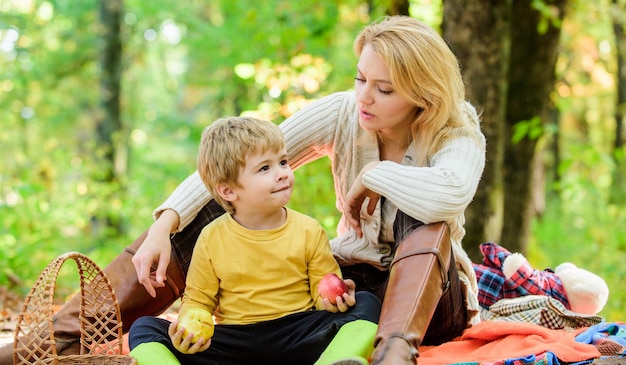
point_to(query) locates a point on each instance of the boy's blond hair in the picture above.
(224, 147)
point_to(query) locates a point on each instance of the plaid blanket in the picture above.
(538, 309)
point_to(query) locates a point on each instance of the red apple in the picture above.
(331, 287)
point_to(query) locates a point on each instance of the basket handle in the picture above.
(100, 318)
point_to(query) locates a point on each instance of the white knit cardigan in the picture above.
(440, 192)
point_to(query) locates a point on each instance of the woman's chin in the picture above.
(367, 125)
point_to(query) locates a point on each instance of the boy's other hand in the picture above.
(344, 302)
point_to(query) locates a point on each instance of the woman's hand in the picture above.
(156, 248)
(185, 345)
(344, 302)
(355, 198)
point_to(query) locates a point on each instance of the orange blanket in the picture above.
(492, 341)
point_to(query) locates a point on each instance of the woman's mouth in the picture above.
(363, 114)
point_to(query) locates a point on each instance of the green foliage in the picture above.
(314, 194)
(531, 129)
(589, 236)
(549, 16)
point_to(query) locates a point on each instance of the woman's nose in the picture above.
(364, 95)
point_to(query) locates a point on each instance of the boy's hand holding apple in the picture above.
(337, 294)
(193, 331)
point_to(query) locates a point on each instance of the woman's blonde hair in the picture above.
(423, 70)
(224, 147)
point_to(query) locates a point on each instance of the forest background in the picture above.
(102, 104)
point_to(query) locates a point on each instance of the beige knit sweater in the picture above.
(440, 192)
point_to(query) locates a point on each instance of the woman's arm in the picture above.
(439, 192)
(186, 200)
(310, 133)
(172, 216)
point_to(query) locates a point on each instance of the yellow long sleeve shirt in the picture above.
(245, 276)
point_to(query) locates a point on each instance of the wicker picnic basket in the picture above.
(101, 333)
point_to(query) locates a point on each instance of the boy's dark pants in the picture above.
(299, 338)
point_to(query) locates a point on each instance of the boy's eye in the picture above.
(284, 163)
(264, 168)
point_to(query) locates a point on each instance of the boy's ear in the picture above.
(226, 193)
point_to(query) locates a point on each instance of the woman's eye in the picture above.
(382, 91)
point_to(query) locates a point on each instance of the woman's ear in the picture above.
(226, 192)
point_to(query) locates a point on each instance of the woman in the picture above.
(406, 150)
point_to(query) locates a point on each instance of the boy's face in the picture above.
(266, 182)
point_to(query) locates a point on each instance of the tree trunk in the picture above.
(398, 7)
(618, 188)
(111, 148)
(478, 33)
(534, 38)
(109, 124)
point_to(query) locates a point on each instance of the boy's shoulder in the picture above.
(217, 222)
(303, 218)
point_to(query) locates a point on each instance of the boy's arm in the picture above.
(200, 298)
(322, 262)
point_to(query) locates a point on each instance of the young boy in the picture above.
(256, 270)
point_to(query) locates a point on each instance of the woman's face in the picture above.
(381, 108)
